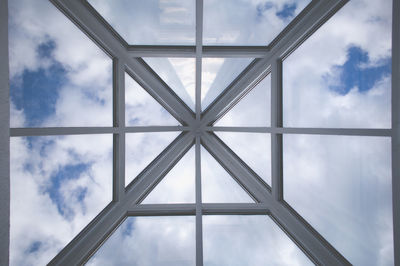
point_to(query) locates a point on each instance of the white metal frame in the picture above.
(197, 130)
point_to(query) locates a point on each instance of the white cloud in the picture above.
(34, 215)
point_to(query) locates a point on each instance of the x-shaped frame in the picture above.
(197, 128)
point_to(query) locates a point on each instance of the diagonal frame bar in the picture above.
(308, 21)
(309, 240)
(91, 23)
(94, 234)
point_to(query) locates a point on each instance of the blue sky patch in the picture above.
(287, 11)
(353, 74)
(66, 173)
(34, 247)
(36, 92)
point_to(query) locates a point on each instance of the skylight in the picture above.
(201, 132)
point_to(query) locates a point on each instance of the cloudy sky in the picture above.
(340, 77)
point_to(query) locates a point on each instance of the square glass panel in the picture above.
(148, 241)
(341, 185)
(154, 22)
(248, 240)
(247, 22)
(58, 185)
(52, 83)
(341, 75)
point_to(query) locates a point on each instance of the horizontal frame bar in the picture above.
(49, 131)
(190, 209)
(190, 51)
(314, 131)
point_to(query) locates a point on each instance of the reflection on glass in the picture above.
(340, 76)
(217, 185)
(151, 21)
(142, 149)
(141, 109)
(178, 73)
(178, 186)
(253, 148)
(247, 22)
(148, 241)
(52, 83)
(252, 110)
(341, 185)
(248, 240)
(217, 74)
(58, 185)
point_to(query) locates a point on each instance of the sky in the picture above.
(339, 77)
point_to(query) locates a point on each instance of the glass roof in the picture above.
(247, 22)
(192, 146)
(150, 21)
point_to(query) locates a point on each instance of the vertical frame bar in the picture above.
(199, 55)
(199, 212)
(4, 137)
(396, 129)
(276, 122)
(119, 122)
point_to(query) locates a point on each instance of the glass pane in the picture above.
(148, 241)
(253, 148)
(179, 74)
(217, 74)
(178, 186)
(253, 110)
(248, 240)
(247, 22)
(58, 185)
(141, 109)
(52, 83)
(142, 148)
(340, 77)
(217, 185)
(151, 21)
(341, 185)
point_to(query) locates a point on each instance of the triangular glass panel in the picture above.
(246, 22)
(178, 186)
(217, 185)
(141, 109)
(179, 74)
(217, 74)
(142, 148)
(253, 110)
(248, 240)
(151, 240)
(253, 148)
(150, 22)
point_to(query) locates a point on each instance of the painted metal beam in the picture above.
(378, 132)
(88, 20)
(190, 51)
(4, 137)
(93, 235)
(310, 241)
(396, 129)
(49, 131)
(306, 23)
(276, 122)
(190, 209)
(119, 122)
